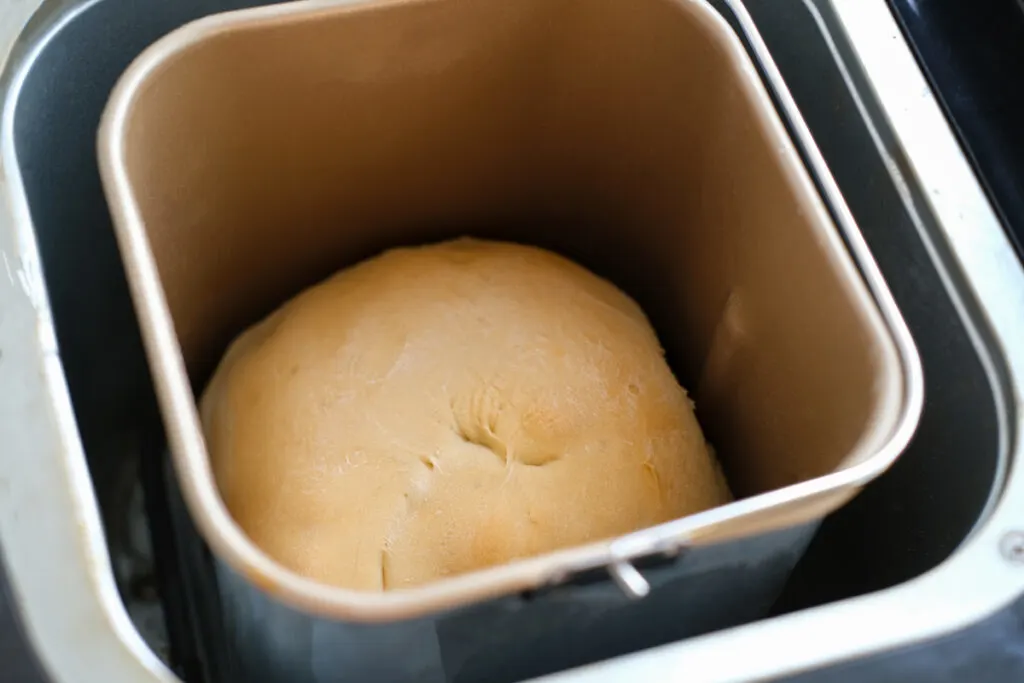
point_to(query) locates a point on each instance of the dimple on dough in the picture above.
(441, 409)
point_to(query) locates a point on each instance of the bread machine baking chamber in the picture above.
(250, 154)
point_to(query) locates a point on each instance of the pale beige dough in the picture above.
(446, 408)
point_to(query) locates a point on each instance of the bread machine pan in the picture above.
(250, 154)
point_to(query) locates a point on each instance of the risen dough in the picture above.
(441, 409)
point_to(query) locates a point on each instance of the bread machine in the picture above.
(819, 48)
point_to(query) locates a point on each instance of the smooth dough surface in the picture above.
(440, 409)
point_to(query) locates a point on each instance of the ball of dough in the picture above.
(440, 409)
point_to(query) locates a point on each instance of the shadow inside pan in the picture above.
(905, 523)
